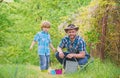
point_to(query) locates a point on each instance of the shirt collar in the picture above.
(44, 32)
(74, 39)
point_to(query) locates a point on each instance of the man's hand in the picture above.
(70, 55)
(61, 55)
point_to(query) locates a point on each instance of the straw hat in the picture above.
(70, 27)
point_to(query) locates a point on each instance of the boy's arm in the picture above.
(32, 44)
(51, 46)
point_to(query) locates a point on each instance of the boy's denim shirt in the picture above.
(43, 39)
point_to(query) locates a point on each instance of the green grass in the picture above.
(97, 69)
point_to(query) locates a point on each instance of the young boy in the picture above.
(44, 41)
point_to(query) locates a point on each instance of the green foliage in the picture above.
(5, 22)
(20, 21)
(90, 20)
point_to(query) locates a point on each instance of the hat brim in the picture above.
(76, 28)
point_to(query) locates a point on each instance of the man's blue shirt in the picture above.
(43, 39)
(73, 47)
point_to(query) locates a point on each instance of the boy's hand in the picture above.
(31, 47)
(32, 44)
(54, 49)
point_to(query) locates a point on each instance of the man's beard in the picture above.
(72, 37)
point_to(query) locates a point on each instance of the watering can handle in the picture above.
(65, 59)
(71, 58)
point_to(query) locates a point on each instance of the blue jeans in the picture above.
(44, 62)
(81, 61)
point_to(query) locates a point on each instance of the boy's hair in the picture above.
(45, 24)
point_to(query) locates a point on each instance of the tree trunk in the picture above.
(104, 27)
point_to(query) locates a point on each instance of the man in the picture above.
(75, 45)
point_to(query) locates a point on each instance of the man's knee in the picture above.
(83, 61)
(57, 54)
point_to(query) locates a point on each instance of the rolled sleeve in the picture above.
(62, 44)
(36, 37)
(82, 46)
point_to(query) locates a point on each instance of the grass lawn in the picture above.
(97, 69)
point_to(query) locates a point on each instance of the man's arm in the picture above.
(61, 54)
(82, 49)
(80, 55)
(59, 50)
